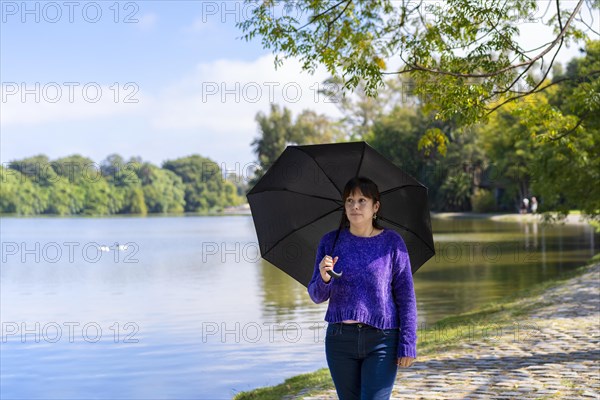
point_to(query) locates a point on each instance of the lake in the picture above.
(184, 308)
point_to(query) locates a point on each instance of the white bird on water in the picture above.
(121, 247)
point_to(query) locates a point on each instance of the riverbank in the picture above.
(573, 217)
(540, 343)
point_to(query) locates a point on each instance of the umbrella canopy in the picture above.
(299, 199)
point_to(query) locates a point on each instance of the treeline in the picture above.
(546, 145)
(76, 185)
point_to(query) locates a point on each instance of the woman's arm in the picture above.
(406, 302)
(319, 290)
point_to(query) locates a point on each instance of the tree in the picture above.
(60, 197)
(313, 128)
(549, 145)
(65, 198)
(359, 109)
(203, 182)
(274, 131)
(164, 191)
(19, 195)
(75, 169)
(38, 169)
(396, 136)
(277, 130)
(124, 177)
(511, 153)
(567, 128)
(119, 172)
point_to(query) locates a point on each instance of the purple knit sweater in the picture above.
(376, 287)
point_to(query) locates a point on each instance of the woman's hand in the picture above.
(405, 362)
(325, 265)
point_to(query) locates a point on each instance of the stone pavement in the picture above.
(551, 352)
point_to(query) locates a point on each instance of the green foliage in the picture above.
(76, 169)
(205, 188)
(163, 190)
(459, 53)
(38, 169)
(134, 201)
(359, 110)
(396, 136)
(433, 138)
(508, 145)
(569, 129)
(313, 128)
(76, 185)
(65, 198)
(277, 130)
(456, 192)
(549, 146)
(18, 195)
(483, 201)
(119, 172)
(100, 198)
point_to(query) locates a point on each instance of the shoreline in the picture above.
(244, 210)
(572, 218)
(548, 350)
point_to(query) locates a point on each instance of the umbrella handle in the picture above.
(334, 274)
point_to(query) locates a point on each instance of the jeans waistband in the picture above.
(356, 325)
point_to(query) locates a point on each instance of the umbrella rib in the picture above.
(320, 167)
(302, 227)
(401, 187)
(275, 189)
(362, 156)
(408, 230)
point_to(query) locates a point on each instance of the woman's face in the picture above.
(360, 209)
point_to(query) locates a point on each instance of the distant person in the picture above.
(525, 206)
(534, 205)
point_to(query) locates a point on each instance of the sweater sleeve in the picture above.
(318, 290)
(406, 303)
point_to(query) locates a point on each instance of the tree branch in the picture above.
(514, 98)
(577, 125)
(313, 19)
(556, 41)
(330, 23)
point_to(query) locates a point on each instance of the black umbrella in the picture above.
(298, 200)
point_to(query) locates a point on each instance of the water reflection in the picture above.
(282, 295)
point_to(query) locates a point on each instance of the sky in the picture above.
(152, 79)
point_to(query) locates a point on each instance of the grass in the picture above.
(498, 312)
(305, 384)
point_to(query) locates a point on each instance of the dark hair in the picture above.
(368, 188)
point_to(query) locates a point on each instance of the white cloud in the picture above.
(224, 96)
(147, 21)
(221, 96)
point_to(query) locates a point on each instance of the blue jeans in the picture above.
(362, 360)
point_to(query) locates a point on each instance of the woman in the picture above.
(372, 312)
